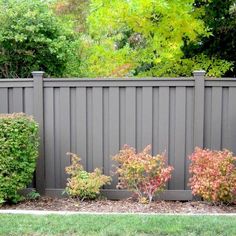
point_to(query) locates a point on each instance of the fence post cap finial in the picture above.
(38, 73)
(199, 73)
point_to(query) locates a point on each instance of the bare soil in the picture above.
(122, 206)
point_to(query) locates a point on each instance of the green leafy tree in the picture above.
(143, 36)
(220, 17)
(73, 10)
(32, 38)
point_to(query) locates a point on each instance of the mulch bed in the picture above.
(122, 206)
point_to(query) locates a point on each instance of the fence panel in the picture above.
(96, 117)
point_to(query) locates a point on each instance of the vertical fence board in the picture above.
(39, 117)
(73, 124)
(216, 118)
(65, 132)
(147, 117)
(164, 120)
(208, 118)
(171, 144)
(179, 171)
(57, 137)
(199, 100)
(225, 139)
(139, 118)
(232, 118)
(18, 100)
(29, 109)
(130, 118)
(81, 125)
(122, 109)
(97, 127)
(114, 128)
(105, 124)
(155, 119)
(28, 101)
(3, 100)
(49, 138)
(89, 127)
(10, 100)
(189, 146)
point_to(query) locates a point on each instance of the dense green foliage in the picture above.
(220, 17)
(73, 10)
(83, 184)
(97, 38)
(144, 36)
(32, 38)
(149, 38)
(18, 154)
(119, 225)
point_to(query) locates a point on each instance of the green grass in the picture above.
(114, 225)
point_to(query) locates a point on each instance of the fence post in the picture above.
(199, 103)
(39, 117)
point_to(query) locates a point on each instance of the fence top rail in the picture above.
(17, 80)
(115, 79)
(121, 79)
(220, 79)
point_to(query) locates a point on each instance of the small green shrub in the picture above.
(82, 184)
(33, 195)
(142, 173)
(213, 175)
(18, 153)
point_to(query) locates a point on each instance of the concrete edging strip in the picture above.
(38, 212)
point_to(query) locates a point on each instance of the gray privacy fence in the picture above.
(96, 117)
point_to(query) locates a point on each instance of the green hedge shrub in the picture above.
(18, 153)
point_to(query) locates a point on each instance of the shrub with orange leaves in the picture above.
(82, 184)
(213, 175)
(142, 173)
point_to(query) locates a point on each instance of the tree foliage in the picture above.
(32, 38)
(96, 38)
(220, 18)
(149, 33)
(75, 10)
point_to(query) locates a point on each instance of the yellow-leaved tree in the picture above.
(138, 37)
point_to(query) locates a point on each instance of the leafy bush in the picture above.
(213, 175)
(213, 66)
(142, 173)
(33, 195)
(18, 154)
(32, 38)
(81, 183)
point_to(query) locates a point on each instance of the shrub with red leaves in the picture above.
(142, 173)
(213, 175)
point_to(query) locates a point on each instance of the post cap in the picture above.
(38, 73)
(199, 73)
